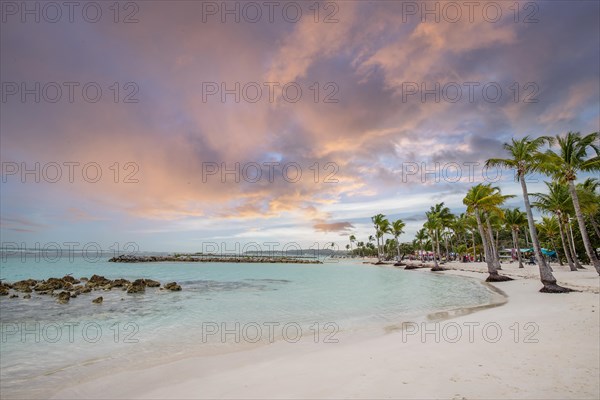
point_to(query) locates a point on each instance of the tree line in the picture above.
(569, 223)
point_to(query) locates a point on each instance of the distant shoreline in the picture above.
(214, 258)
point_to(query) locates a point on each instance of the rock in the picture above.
(136, 288)
(27, 296)
(83, 279)
(85, 289)
(14, 296)
(120, 283)
(99, 280)
(56, 283)
(64, 297)
(42, 287)
(3, 291)
(51, 284)
(24, 286)
(98, 300)
(172, 286)
(151, 283)
(70, 279)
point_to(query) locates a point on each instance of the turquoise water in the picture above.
(45, 344)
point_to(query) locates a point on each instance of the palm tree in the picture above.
(382, 226)
(549, 229)
(377, 220)
(590, 201)
(525, 158)
(397, 229)
(459, 227)
(431, 226)
(352, 240)
(494, 218)
(564, 166)
(471, 223)
(360, 246)
(444, 218)
(514, 219)
(481, 198)
(558, 202)
(420, 237)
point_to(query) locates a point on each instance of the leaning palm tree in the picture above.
(525, 158)
(571, 159)
(514, 219)
(481, 198)
(558, 202)
(397, 229)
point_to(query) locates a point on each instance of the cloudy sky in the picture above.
(173, 124)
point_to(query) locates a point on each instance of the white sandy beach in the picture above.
(553, 353)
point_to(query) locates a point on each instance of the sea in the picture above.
(222, 307)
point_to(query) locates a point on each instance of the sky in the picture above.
(178, 125)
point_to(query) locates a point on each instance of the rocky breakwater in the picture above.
(68, 287)
(212, 258)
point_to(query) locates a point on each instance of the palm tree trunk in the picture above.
(557, 253)
(584, 235)
(437, 243)
(447, 249)
(566, 249)
(493, 249)
(488, 260)
(474, 251)
(546, 276)
(498, 245)
(516, 245)
(571, 244)
(435, 263)
(595, 225)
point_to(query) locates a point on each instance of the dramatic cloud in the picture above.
(334, 227)
(220, 141)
